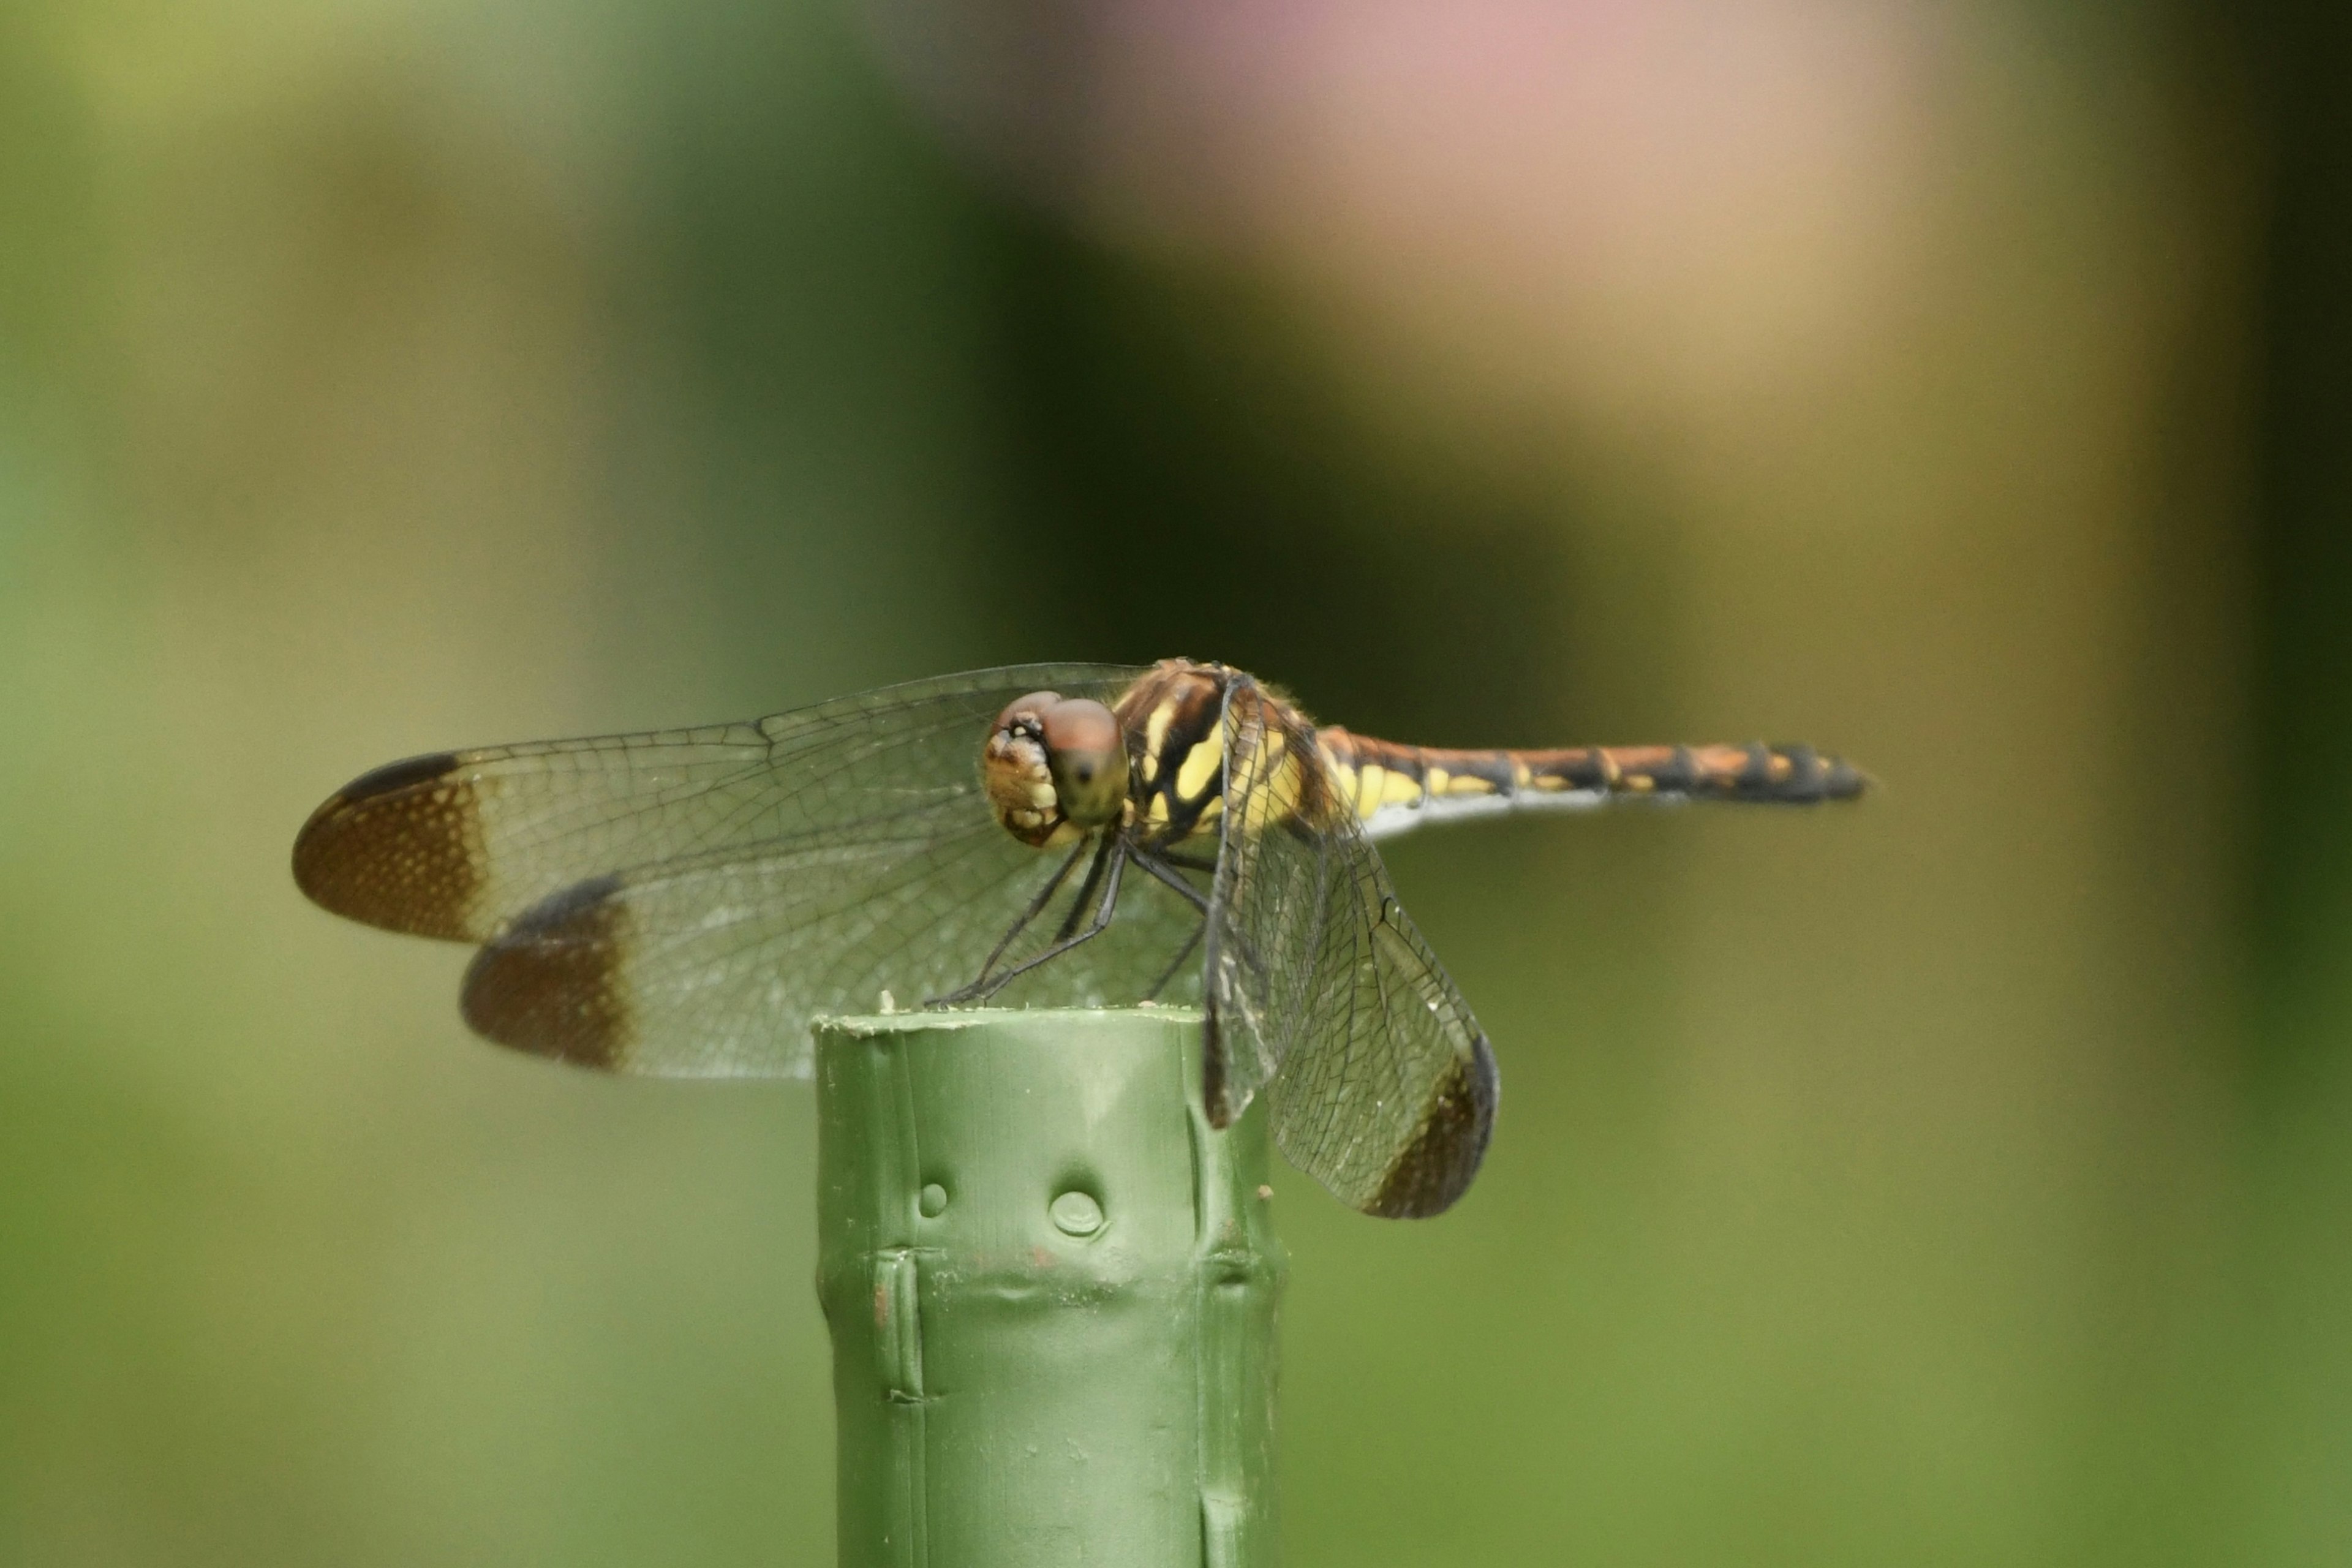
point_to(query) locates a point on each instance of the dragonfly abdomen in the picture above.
(1396, 787)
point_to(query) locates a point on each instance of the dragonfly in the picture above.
(686, 902)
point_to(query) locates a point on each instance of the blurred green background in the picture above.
(1967, 386)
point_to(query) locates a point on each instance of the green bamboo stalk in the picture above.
(1051, 1286)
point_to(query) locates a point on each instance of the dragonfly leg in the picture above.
(1107, 864)
(1085, 890)
(1183, 954)
(1037, 907)
(1159, 867)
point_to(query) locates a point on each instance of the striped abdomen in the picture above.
(1399, 788)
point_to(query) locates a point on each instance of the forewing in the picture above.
(683, 903)
(460, 844)
(1321, 992)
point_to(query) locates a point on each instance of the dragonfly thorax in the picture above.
(1055, 768)
(1172, 718)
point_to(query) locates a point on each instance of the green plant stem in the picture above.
(1052, 1291)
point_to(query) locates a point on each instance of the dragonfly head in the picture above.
(1055, 768)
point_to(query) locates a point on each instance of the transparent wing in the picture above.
(715, 967)
(684, 902)
(458, 844)
(1321, 993)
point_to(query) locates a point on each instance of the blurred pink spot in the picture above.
(1606, 200)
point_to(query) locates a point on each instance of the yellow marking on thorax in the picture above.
(1155, 735)
(1158, 811)
(1282, 788)
(1199, 765)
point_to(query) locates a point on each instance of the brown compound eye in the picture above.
(1087, 757)
(1031, 708)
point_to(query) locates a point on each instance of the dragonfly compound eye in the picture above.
(1086, 754)
(1055, 768)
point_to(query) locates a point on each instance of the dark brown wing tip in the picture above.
(551, 984)
(1437, 1168)
(397, 847)
(399, 775)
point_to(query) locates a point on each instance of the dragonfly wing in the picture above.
(715, 967)
(682, 903)
(460, 844)
(1322, 994)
